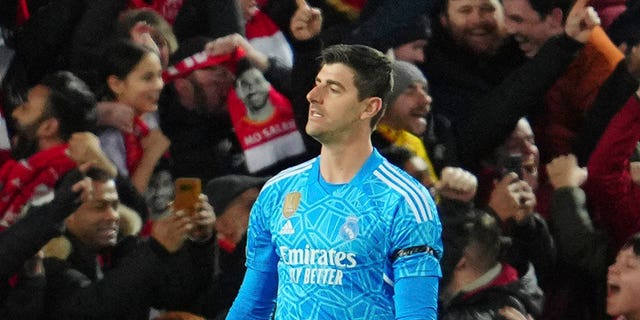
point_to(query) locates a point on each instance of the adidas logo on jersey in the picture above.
(287, 228)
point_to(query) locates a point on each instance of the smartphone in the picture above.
(187, 194)
(512, 163)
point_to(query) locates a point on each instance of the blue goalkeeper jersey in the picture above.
(339, 248)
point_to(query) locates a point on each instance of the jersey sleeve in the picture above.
(416, 245)
(261, 253)
(256, 297)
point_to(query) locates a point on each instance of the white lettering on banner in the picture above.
(253, 138)
(279, 128)
(269, 132)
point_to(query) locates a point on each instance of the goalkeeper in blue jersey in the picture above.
(345, 235)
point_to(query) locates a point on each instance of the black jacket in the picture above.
(134, 276)
(21, 241)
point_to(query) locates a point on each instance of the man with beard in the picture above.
(55, 109)
(482, 83)
(405, 119)
(468, 54)
(253, 89)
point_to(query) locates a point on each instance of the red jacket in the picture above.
(566, 103)
(573, 94)
(613, 197)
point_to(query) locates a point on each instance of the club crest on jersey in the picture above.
(350, 228)
(291, 203)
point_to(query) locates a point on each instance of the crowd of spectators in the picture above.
(521, 117)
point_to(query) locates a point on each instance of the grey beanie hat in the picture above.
(404, 75)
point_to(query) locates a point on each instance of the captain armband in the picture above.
(413, 250)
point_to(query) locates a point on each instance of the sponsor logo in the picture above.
(322, 276)
(321, 257)
(317, 266)
(287, 228)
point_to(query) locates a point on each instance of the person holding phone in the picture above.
(511, 199)
(98, 270)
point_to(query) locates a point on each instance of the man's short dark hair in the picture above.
(544, 7)
(372, 71)
(71, 102)
(475, 232)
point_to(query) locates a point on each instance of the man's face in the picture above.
(410, 109)
(211, 87)
(141, 87)
(412, 52)
(334, 106)
(623, 284)
(522, 142)
(232, 224)
(477, 25)
(95, 223)
(30, 114)
(253, 89)
(528, 27)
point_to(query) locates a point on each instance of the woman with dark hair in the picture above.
(132, 75)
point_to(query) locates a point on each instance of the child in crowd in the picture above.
(623, 282)
(132, 76)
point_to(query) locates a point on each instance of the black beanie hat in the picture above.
(222, 190)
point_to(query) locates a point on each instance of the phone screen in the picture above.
(187, 193)
(513, 163)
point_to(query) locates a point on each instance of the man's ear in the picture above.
(443, 20)
(462, 263)
(185, 90)
(49, 128)
(182, 86)
(556, 17)
(373, 105)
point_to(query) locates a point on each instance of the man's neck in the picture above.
(340, 163)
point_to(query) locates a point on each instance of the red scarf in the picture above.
(202, 60)
(133, 145)
(20, 181)
(268, 142)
